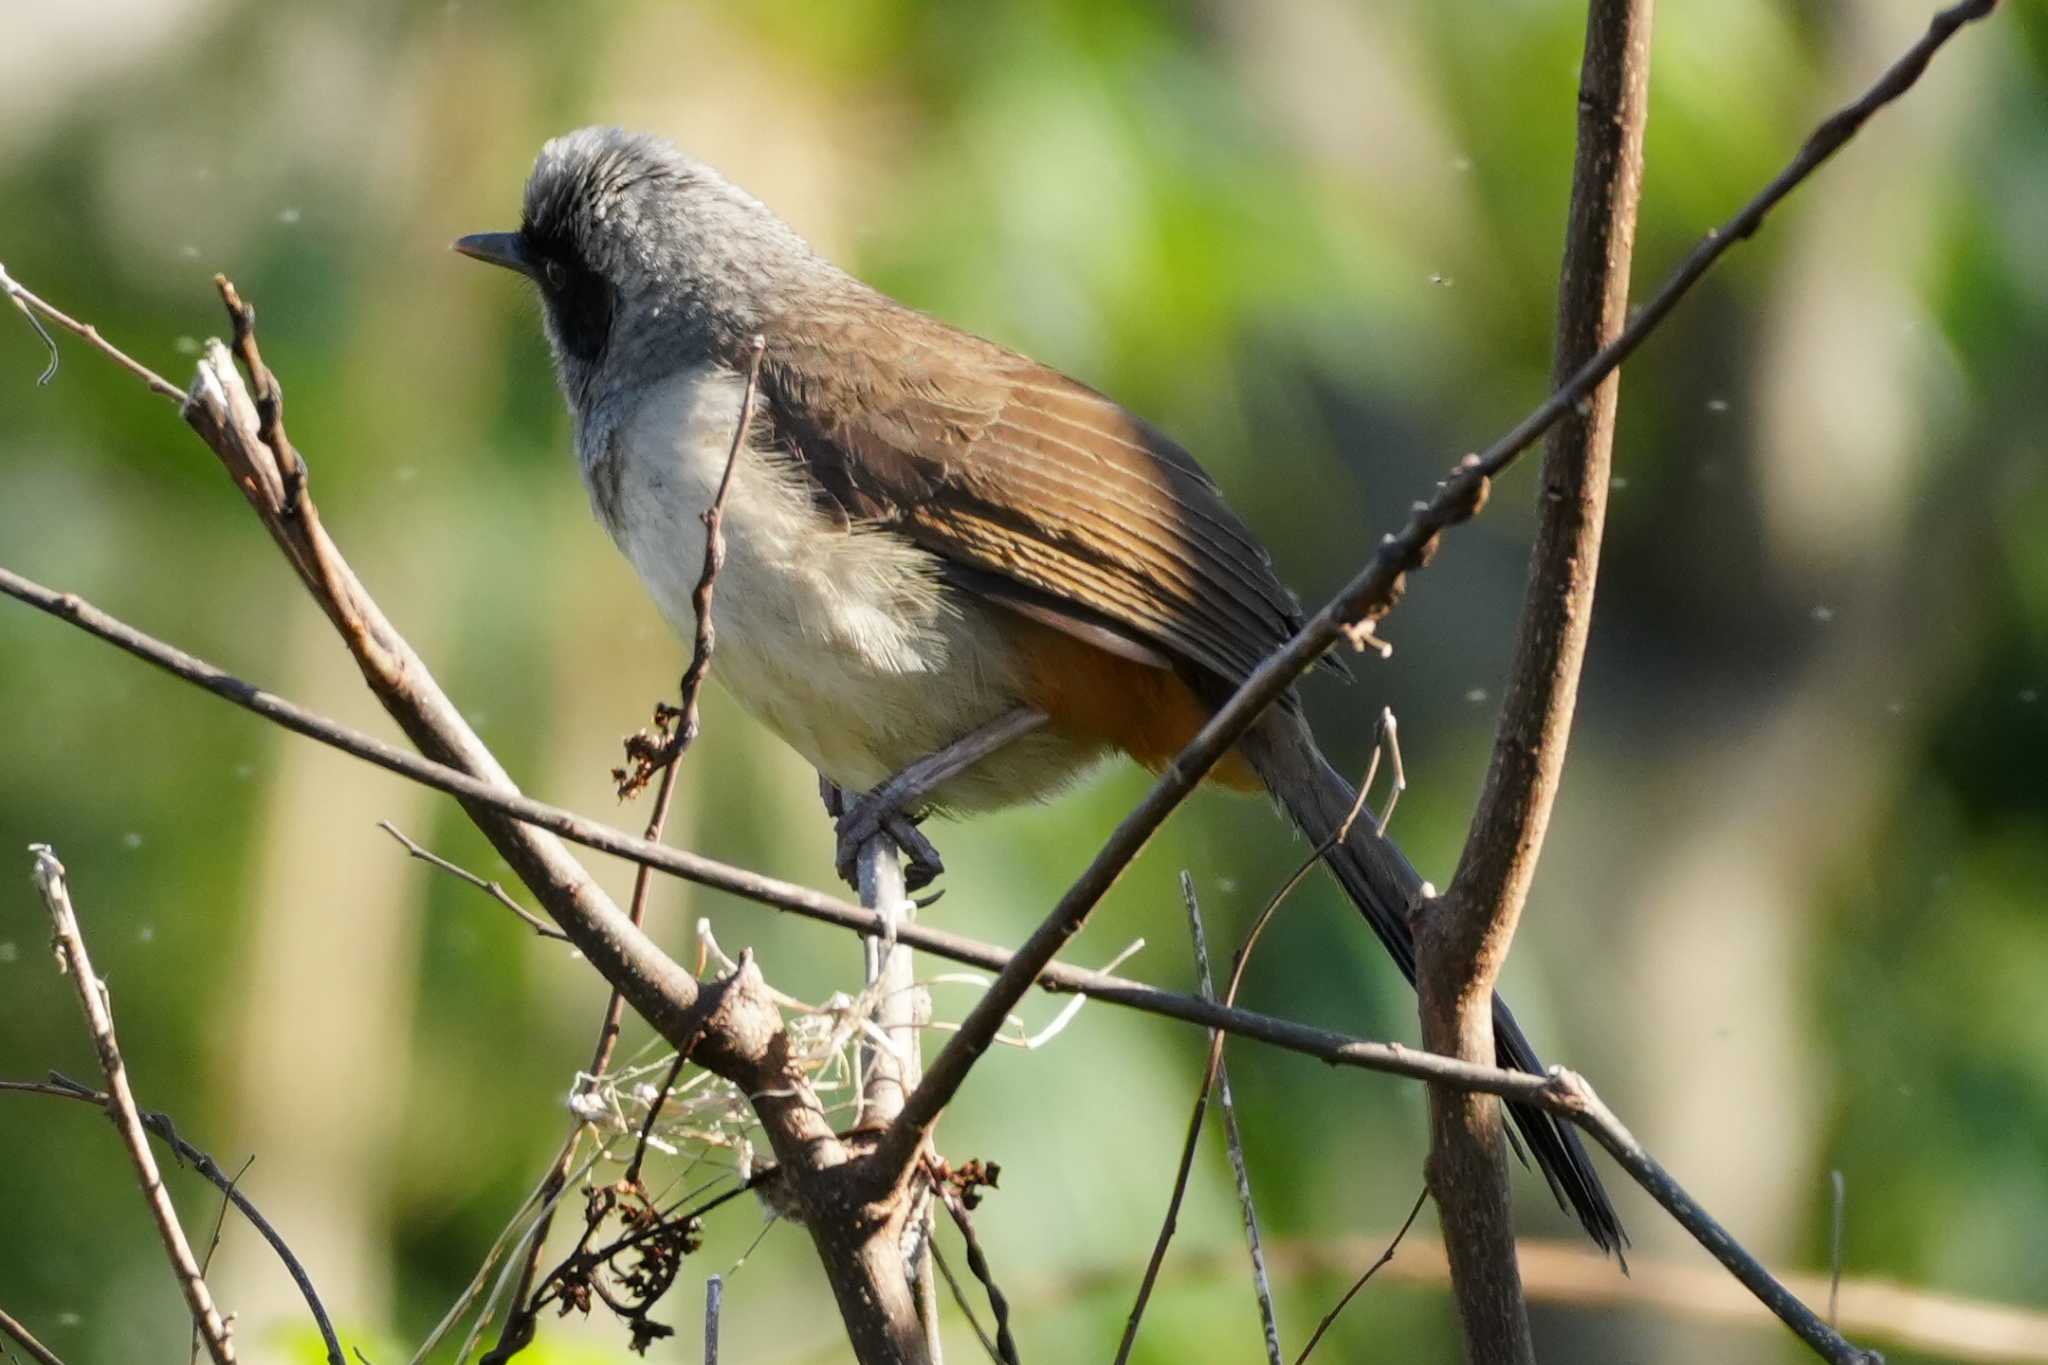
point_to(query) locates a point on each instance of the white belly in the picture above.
(842, 641)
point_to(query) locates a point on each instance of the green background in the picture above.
(1790, 919)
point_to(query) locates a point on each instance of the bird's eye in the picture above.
(557, 275)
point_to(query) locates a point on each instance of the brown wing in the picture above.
(1041, 491)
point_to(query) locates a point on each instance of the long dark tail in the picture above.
(1382, 883)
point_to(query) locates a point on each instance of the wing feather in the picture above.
(1003, 466)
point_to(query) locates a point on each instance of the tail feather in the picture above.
(1382, 883)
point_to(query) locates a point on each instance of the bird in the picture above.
(925, 531)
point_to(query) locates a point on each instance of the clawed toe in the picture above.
(862, 819)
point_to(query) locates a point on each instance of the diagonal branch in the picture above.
(32, 307)
(1334, 1048)
(732, 1026)
(99, 1018)
(159, 1123)
(218, 404)
(1386, 1257)
(1562, 1094)
(519, 1320)
(492, 889)
(26, 1340)
(1374, 590)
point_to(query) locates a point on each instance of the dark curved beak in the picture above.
(497, 248)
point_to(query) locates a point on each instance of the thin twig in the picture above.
(788, 897)
(30, 305)
(966, 1308)
(1841, 1190)
(69, 944)
(1571, 1274)
(668, 1083)
(492, 889)
(159, 1124)
(714, 559)
(519, 1322)
(714, 1304)
(731, 1021)
(1233, 1141)
(1167, 1227)
(14, 297)
(1213, 1069)
(1421, 1197)
(520, 1319)
(1006, 1346)
(1548, 1093)
(510, 1237)
(889, 986)
(220, 1222)
(39, 1353)
(1370, 595)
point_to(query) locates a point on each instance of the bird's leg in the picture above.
(886, 809)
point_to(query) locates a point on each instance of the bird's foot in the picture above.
(858, 819)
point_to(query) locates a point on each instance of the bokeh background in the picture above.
(1791, 916)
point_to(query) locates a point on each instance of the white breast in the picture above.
(842, 640)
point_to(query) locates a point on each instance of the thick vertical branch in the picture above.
(892, 1068)
(1463, 939)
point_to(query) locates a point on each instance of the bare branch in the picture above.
(714, 1304)
(1233, 1141)
(30, 306)
(1571, 1274)
(889, 1060)
(1330, 1318)
(981, 1335)
(69, 943)
(890, 1055)
(1366, 599)
(22, 1337)
(1841, 1204)
(780, 895)
(1005, 1346)
(220, 1222)
(519, 1321)
(733, 1023)
(219, 409)
(1599, 1120)
(1213, 1071)
(1212, 1074)
(1461, 941)
(492, 889)
(159, 1124)
(1336, 1049)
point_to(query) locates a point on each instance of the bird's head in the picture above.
(644, 256)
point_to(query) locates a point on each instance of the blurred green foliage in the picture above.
(1791, 918)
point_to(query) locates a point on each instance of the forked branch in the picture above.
(1367, 598)
(1461, 941)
